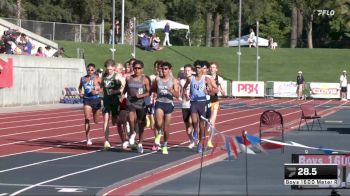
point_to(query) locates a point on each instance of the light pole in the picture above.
(239, 42)
(257, 51)
(113, 29)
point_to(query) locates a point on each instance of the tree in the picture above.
(8, 8)
(294, 30)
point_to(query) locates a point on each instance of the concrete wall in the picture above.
(40, 80)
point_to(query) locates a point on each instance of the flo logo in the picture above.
(325, 12)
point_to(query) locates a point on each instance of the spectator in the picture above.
(343, 82)
(99, 72)
(9, 38)
(251, 39)
(166, 32)
(144, 42)
(40, 52)
(27, 50)
(110, 35)
(117, 31)
(300, 85)
(181, 74)
(155, 44)
(272, 44)
(152, 30)
(48, 51)
(59, 53)
(2, 46)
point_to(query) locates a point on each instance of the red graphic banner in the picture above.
(6, 75)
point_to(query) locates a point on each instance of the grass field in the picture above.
(318, 65)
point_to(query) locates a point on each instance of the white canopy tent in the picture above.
(159, 24)
(244, 41)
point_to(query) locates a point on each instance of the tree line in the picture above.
(292, 23)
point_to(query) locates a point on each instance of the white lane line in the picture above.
(53, 186)
(76, 155)
(111, 163)
(47, 118)
(83, 124)
(37, 163)
(30, 125)
(81, 171)
(79, 132)
(39, 115)
(107, 164)
(35, 131)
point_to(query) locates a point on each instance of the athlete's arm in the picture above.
(126, 85)
(81, 93)
(146, 84)
(188, 81)
(175, 90)
(222, 91)
(214, 87)
(97, 89)
(209, 85)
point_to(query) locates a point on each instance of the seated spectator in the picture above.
(2, 46)
(59, 53)
(40, 52)
(48, 51)
(27, 49)
(144, 42)
(155, 44)
(9, 38)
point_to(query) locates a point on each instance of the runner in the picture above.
(137, 86)
(214, 99)
(166, 88)
(185, 104)
(157, 136)
(89, 90)
(111, 92)
(122, 117)
(200, 85)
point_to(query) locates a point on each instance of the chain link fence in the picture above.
(63, 31)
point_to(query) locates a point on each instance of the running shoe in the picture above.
(199, 148)
(192, 144)
(195, 136)
(134, 147)
(107, 145)
(125, 145)
(157, 139)
(88, 142)
(156, 147)
(165, 150)
(140, 149)
(210, 144)
(132, 139)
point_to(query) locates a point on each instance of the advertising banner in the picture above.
(325, 90)
(285, 89)
(248, 89)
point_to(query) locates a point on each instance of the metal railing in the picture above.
(63, 31)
